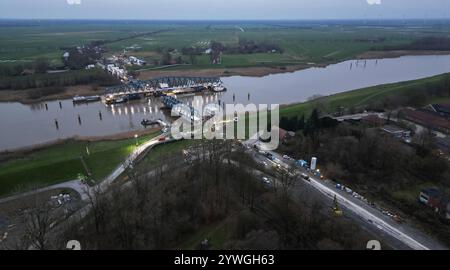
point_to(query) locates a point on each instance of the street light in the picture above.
(136, 137)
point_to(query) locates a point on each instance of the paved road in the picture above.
(74, 184)
(403, 233)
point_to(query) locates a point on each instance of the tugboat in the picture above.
(219, 88)
(110, 100)
(147, 122)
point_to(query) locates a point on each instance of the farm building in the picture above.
(428, 119)
(396, 132)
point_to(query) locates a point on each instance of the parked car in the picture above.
(306, 177)
(267, 181)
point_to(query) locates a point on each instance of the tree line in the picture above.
(57, 80)
(39, 66)
(423, 44)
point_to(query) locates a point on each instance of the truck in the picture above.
(302, 163)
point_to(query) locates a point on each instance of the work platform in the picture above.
(164, 84)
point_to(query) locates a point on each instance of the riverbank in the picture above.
(376, 96)
(395, 54)
(28, 96)
(24, 151)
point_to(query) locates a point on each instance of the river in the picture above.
(26, 125)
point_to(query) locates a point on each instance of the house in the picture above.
(396, 132)
(431, 197)
(428, 119)
(437, 200)
(136, 61)
(283, 135)
(66, 56)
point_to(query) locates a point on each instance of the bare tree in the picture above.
(98, 204)
(38, 221)
(287, 180)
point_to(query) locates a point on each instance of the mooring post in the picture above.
(56, 124)
(79, 120)
(100, 115)
(46, 107)
(60, 105)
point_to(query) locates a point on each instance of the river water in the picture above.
(26, 125)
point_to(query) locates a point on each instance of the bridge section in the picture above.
(163, 84)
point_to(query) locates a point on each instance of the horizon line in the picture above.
(231, 20)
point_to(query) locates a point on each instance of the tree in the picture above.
(41, 65)
(166, 58)
(193, 58)
(38, 221)
(447, 84)
(287, 179)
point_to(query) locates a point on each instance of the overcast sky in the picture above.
(224, 9)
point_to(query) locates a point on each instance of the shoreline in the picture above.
(23, 96)
(372, 55)
(5, 155)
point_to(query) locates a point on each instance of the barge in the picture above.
(85, 99)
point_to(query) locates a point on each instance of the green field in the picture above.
(369, 96)
(62, 162)
(165, 150)
(301, 45)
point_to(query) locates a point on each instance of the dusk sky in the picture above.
(224, 9)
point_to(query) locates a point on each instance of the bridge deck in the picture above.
(168, 83)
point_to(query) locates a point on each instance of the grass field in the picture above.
(301, 45)
(366, 96)
(166, 150)
(62, 162)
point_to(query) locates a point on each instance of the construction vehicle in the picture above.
(336, 209)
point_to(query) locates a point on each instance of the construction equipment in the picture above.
(336, 209)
